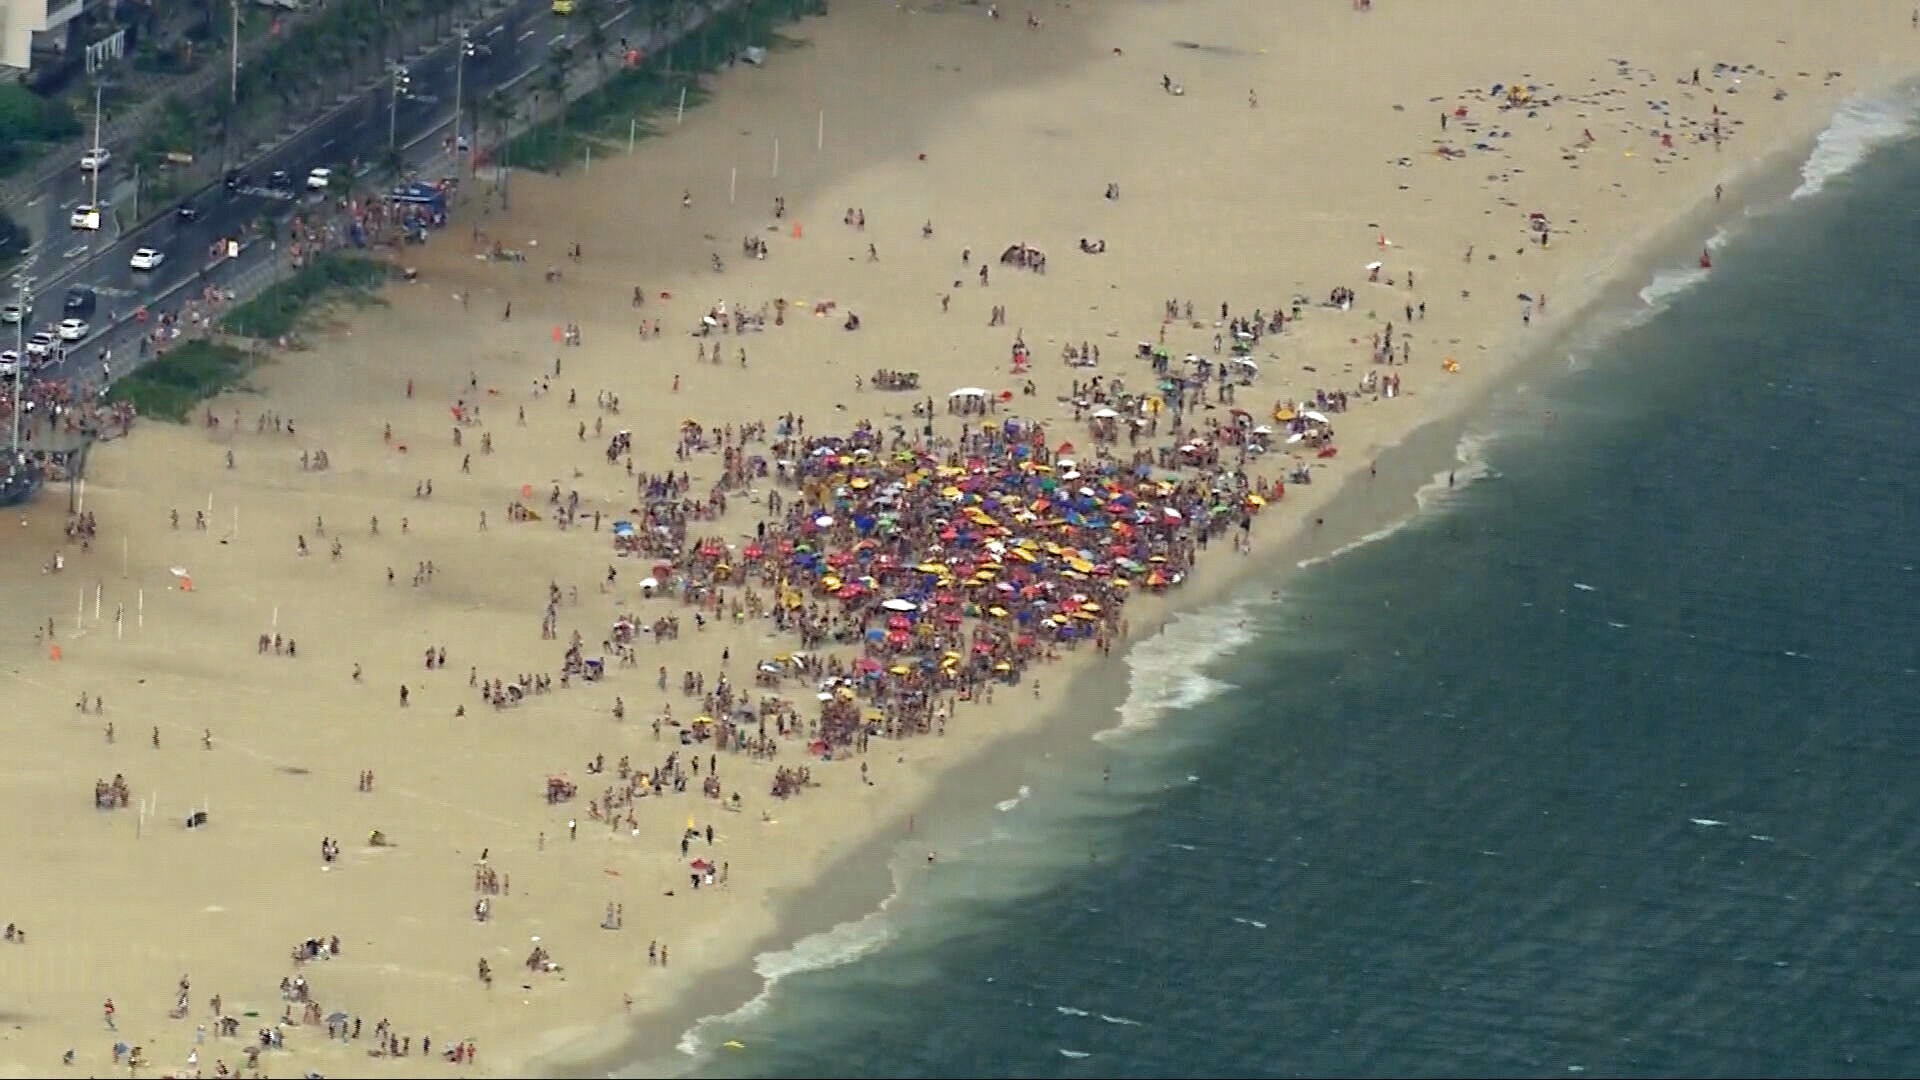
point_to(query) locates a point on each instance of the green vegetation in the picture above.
(647, 92)
(30, 124)
(171, 386)
(280, 307)
(301, 67)
(14, 240)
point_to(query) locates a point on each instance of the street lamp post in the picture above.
(233, 89)
(459, 76)
(233, 65)
(19, 371)
(397, 84)
(93, 192)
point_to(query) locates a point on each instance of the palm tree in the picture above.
(659, 18)
(495, 109)
(558, 70)
(591, 13)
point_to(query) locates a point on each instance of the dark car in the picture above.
(80, 301)
(281, 180)
(186, 213)
(237, 180)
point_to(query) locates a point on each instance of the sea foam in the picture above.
(1470, 467)
(842, 945)
(1163, 672)
(1862, 125)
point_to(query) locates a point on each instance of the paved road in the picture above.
(354, 132)
(518, 41)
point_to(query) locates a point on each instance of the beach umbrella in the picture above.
(898, 604)
(623, 528)
(649, 583)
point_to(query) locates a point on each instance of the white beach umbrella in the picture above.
(900, 604)
(968, 391)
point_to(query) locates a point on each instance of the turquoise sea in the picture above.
(1604, 759)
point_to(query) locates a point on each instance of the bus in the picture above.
(563, 7)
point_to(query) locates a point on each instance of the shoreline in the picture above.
(881, 863)
(941, 781)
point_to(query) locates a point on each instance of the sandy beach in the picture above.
(1433, 162)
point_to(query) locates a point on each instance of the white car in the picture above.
(147, 259)
(73, 329)
(85, 216)
(319, 179)
(96, 158)
(11, 313)
(40, 344)
(9, 364)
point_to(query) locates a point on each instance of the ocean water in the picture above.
(1606, 760)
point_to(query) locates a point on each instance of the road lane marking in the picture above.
(525, 36)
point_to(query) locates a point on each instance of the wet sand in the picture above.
(1221, 198)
